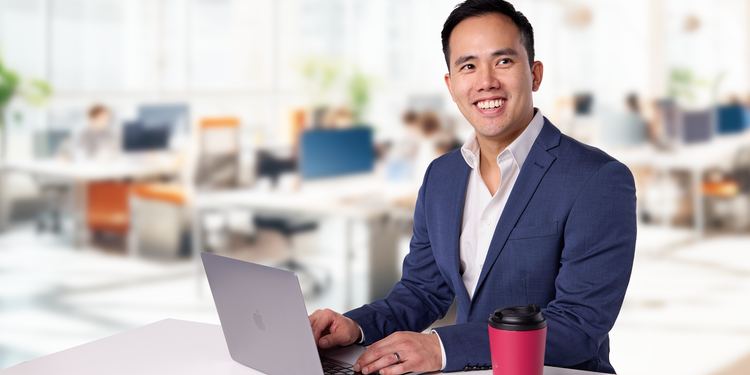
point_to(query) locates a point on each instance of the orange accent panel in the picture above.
(721, 189)
(216, 122)
(161, 192)
(108, 207)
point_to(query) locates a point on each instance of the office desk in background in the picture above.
(80, 173)
(356, 199)
(695, 159)
(165, 347)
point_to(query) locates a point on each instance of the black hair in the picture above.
(476, 8)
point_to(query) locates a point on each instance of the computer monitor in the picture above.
(137, 137)
(336, 152)
(176, 116)
(48, 143)
(731, 119)
(697, 126)
(584, 103)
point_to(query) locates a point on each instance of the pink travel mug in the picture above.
(517, 339)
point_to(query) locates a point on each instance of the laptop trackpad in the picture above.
(347, 354)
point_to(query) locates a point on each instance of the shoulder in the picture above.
(447, 165)
(580, 161)
(573, 149)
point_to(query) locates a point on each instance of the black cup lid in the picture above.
(518, 318)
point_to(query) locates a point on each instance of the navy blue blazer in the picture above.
(565, 241)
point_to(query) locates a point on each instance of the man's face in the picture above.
(100, 121)
(490, 79)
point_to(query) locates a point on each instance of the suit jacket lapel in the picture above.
(533, 170)
(455, 192)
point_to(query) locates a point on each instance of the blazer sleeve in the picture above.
(595, 266)
(421, 296)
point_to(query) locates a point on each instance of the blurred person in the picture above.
(96, 141)
(424, 140)
(519, 214)
(428, 128)
(634, 129)
(631, 101)
(407, 146)
(665, 116)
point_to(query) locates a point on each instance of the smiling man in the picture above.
(520, 214)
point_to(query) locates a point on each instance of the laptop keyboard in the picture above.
(336, 368)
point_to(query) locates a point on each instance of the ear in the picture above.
(537, 72)
(448, 84)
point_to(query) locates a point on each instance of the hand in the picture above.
(331, 328)
(417, 352)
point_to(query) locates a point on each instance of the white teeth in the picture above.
(490, 104)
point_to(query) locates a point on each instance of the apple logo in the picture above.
(259, 321)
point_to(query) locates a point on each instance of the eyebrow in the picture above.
(500, 52)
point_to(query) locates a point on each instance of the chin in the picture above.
(494, 132)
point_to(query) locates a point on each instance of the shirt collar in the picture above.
(519, 148)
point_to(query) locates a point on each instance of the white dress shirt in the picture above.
(482, 209)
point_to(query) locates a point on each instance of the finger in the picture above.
(331, 340)
(313, 318)
(341, 332)
(320, 324)
(378, 349)
(401, 368)
(370, 355)
(382, 362)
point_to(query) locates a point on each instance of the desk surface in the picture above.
(92, 170)
(698, 156)
(360, 197)
(165, 347)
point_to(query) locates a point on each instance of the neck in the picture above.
(489, 150)
(492, 146)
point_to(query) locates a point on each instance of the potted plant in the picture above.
(33, 91)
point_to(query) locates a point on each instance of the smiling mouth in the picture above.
(490, 104)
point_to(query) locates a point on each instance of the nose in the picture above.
(487, 79)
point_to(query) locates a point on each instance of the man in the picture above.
(96, 141)
(520, 214)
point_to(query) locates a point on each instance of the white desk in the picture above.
(92, 170)
(79, 173)
(364, 198)
(165, 347)
(695, 159)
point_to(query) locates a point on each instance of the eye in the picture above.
(504, 62)
(467, 67)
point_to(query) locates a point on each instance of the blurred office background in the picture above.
(294, 133)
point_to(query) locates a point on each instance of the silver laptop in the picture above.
(264, 319)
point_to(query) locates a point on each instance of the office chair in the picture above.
(214, 168)
(727, 195)
(53, 191)
(272, 166)
(108, 209)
